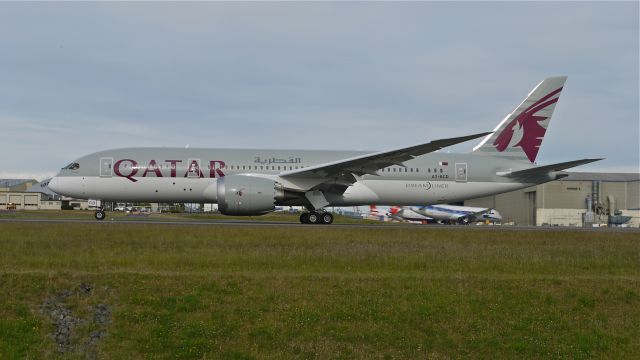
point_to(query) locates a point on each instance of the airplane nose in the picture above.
(54, 184)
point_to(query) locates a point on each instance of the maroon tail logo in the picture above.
(532, 131)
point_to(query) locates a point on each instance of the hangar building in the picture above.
(563, 202)
(27, 194)
(7, 185)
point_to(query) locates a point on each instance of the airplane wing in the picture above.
(541, 170)
(343, 172)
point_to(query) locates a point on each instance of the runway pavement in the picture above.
(381, 226)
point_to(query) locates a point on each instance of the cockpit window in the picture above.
(72, 166)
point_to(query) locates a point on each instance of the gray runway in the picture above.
(382, 227)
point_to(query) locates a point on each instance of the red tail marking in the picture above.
(532, 131)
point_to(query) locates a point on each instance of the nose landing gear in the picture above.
(97, 204)
(100, 214)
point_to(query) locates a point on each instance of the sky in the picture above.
(76, 78)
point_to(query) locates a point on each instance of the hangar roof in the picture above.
(43, 188)
(13, 182)
(597, 176)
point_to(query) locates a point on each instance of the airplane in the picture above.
(254, 182)
(453, 214)
(444, 214)
(407, 214)
(375, 214)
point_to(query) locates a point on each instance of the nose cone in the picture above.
(54, 185)
(72, 186)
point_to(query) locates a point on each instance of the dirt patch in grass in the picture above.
(69, 311)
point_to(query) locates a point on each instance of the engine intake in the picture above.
(248, 195)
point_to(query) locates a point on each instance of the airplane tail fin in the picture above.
(520, 134)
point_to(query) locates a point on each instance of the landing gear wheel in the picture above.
(100, 215)
(326, 218)
(304, 218)
(314, 218)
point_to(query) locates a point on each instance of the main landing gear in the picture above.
(314, 217)
(100, 214)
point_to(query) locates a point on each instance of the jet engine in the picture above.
(247, 195)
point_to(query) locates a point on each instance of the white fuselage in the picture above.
(364, 192)
(191, 175)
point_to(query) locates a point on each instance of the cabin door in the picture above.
(461, 172)
(106, 167)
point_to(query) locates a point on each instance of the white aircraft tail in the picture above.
(520, 134)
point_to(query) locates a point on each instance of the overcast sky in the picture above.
(76, 78)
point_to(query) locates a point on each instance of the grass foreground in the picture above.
(126, 291)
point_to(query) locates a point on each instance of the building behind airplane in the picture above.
(254, 182)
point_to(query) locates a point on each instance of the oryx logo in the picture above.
(529, 126)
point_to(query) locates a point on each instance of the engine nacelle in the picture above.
(247, 195)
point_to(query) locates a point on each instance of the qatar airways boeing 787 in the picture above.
(254, 182)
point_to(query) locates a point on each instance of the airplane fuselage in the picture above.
(191, 175)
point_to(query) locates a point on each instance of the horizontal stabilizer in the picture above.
(540, 170)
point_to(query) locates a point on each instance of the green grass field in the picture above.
(180, 291)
